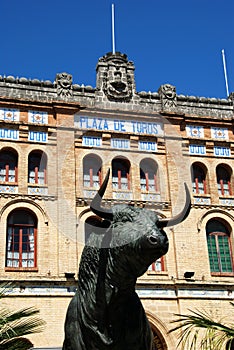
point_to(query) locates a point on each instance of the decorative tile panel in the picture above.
(226, 201)
(11, 115)
(122, 195)
(195, 293)
(150, 197)
(222, 151)
(37, 117)
(9, 134)
(36, 190)
(147, 146)
(120, 143)
(89, 193)
(202, 200)
(219, 133)
(123, 126)
(195, 131)
(197, 149)
(91, 141)
(156, 293)
(37, 136)
(11, 189)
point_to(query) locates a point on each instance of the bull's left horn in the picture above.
(179, 217)
(95, 205)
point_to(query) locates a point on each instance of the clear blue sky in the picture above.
(177, 42)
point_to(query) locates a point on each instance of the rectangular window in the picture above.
(91, 180)
(8, 175)
(37, 177)
(199, 187)
(121, 182)
(224, 189)
(20, 247)
(157, 266)
(149, 184)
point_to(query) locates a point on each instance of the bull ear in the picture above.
(95, 205)
(179, 217)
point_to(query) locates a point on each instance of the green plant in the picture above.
(199, 331)
(15, 325)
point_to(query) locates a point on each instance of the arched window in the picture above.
(219, 247)
(8, 166)
(37, 164)
(21, 239)
(199, 174)
(121, 174)
(149, 175)
(92, 171)
(223, 174)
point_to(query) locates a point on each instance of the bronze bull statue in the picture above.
(106, 313)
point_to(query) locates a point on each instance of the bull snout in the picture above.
(157, 240)
(153, 239)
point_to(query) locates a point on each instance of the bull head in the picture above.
(108, 214)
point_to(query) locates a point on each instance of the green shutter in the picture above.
(213, 254)
(225, 256)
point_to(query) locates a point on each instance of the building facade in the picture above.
(57, 141)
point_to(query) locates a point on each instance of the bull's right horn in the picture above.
(95, 205)
(179, 217)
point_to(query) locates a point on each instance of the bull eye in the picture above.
(125, 218)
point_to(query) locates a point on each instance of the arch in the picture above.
(199, 176)
(224, 177)
(83, 216)
(37, 167)
(21, 202)
(8, 165)
(21, 239)
(121, 167)
(218, 234)
(9, 149)
(149, 178)
(162, 338)
(92, 171)
(214, 213)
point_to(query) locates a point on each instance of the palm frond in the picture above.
(5, 288)
(199, 331)
(16, 343)
(14, 325)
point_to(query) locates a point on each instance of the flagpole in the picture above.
(113, 29)
(225, 72)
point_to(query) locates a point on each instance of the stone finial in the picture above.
(64, 84)
(168, 98)
(231, 96)
(115, 77)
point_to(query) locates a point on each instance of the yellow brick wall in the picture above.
(61, 225)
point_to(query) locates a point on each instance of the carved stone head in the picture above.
(64, 84)
(167, 94)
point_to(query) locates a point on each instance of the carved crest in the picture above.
(115, 77)
(64, 84)
(117, 84)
